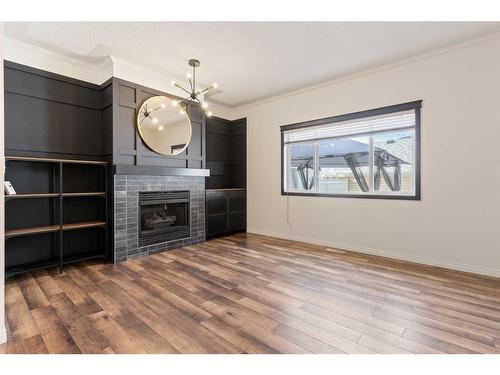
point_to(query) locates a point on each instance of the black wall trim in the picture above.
(50, 115)
(55, 98)
(58, 77)
(415, 105)
(124, 169)
(128, 147)
(226, 153)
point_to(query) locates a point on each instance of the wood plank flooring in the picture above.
(253, 294)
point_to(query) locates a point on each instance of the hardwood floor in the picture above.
(253, 294)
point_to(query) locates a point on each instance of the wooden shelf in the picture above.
(82, 225)
(52, 228)
(33, 230)
(22, 252)
(54, 195)
(31, 195)
(88, 194)
(48, 160)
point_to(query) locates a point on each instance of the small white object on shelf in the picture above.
(9, 189)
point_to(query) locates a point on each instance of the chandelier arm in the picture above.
(205, 90)
(182, 88)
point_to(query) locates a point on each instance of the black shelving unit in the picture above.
(59, 214)
(226, 187)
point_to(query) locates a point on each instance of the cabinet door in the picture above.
(226, 211)
(236, 201)
(217, 221)
(237, 221)
(216, 224)
(216, 202)
(236, 210)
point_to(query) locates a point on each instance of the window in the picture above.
(374, 153)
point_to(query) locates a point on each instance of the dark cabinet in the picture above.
(226, 211)
(226, 186)
(226, 153)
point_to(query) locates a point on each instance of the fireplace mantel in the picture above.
(146, 170)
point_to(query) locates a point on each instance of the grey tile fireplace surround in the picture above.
(126, 194)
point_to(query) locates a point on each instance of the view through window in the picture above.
(367, 154)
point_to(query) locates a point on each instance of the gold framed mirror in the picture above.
(164, 125)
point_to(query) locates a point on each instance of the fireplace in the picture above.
(163, 216)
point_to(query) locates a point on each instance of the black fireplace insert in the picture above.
(163, 216)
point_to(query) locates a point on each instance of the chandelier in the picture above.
(193, 93)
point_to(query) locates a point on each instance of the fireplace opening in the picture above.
(163, 216)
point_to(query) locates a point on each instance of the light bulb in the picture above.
(162, 105)
(188, 76)
(173, 83)
(205, 105)
(209, 113)
(215, 85)
(175, 103)
(155, 120)
(160, 128)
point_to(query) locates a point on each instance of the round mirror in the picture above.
(164, 125)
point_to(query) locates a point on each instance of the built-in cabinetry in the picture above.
(58, 214)
(226, 211)
(226, 186)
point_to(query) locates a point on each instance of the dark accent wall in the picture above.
(49, 115)
(128, 147)
(226, 153)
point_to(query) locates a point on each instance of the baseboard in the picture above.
(486, 271)
(3, 334)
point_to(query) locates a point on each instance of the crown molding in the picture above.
(54, 62)
(143, 76)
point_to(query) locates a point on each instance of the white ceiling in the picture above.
(250, 60)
